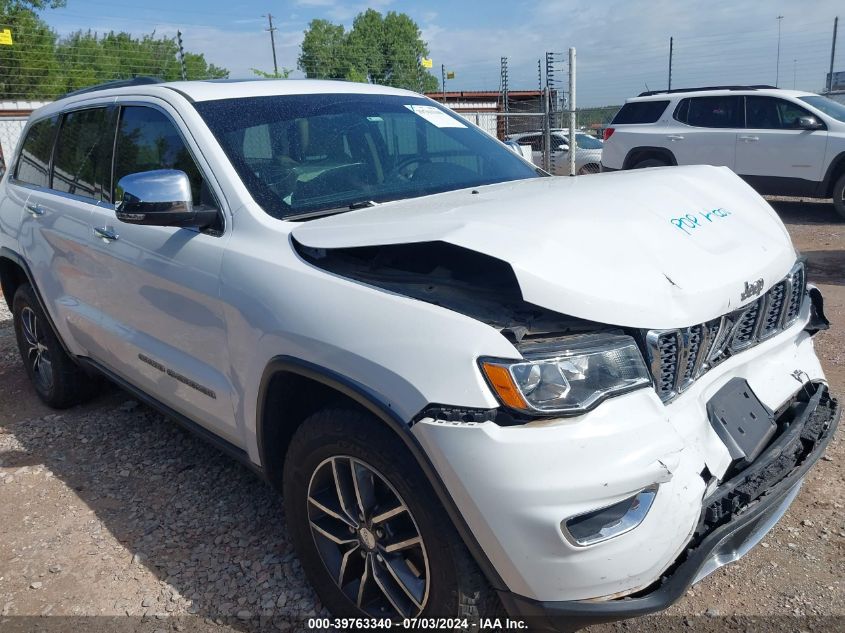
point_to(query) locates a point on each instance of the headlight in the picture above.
(568, 375)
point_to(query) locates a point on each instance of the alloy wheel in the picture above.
(367, 538)
(37, 353)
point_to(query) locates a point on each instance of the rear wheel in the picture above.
(839, 195)
(650, 162)
(58, 381)
(369, 530)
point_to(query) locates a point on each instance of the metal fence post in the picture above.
(573, 141)
(547, 130)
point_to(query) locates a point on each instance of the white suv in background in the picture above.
(477, 386)
(782, 142)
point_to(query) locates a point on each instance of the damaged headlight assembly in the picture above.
(568, 375)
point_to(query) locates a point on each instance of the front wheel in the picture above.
(370, 532)
(839, 196)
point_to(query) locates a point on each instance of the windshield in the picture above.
(300, 154)
(828, 106)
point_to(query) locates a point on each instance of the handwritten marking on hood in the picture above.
(691, 221)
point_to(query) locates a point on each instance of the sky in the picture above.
(622, 45)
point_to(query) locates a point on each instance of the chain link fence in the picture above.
(528, 131)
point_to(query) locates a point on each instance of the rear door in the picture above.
(162, 316)
(709, 130)
(772, 149)
(65, 163)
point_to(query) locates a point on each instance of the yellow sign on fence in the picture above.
(6, 37)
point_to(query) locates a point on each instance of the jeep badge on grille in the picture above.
(751, 289)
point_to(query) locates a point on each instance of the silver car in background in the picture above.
(587, 154)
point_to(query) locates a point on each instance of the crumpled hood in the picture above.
(653, 248)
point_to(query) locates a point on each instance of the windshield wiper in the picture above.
(307, 215)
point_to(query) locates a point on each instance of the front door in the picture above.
(160, 302)
(772, 147)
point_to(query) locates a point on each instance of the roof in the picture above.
(213, 90)
(700, 92)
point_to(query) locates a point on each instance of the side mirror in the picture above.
(563, 147)
(808, 123)
(161, 197)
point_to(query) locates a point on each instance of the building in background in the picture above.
(482, 106)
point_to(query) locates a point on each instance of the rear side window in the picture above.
(715, 112)
(82, 165)
(34, 163)
(640, 112)
(147, 140)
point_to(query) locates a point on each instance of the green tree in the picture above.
(36, 5)
(41, 65)
(29, 68)
(322, 55)
(377, 49)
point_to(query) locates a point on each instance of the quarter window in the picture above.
(148, 140)
(34, 163)
(768, 113)
(82, 165)
(640, 112)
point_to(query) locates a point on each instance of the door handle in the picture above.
(675, 137)
(749, 139)
(35, 210)
(106, 233)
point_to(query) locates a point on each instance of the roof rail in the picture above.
(118, 83)
(661, 92)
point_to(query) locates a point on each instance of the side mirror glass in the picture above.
(161, 197)
(808, 123)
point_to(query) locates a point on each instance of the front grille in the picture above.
(678, 357)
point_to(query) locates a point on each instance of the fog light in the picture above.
(600, 525)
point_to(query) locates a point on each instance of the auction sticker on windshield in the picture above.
(435, 116)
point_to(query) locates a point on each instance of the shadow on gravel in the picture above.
(826, 267)
(806, 211)
(197, 519)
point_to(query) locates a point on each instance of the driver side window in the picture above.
(147, 140)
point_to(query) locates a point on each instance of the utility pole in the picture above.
(181, 55)
(671, 46)
(777, 70)
(272, 30)
(794, 71)
(540, 74)
(443, 80)
(503, 62)
(832, 53)
(573, 139)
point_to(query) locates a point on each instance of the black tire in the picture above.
(650, 162)
(58, 381)
(839, 195)
(340, 440)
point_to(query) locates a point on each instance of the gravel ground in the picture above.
(110, 510)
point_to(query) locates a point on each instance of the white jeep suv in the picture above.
(782, 142)
(478, 386)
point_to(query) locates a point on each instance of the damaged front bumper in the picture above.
(519, 487)
(735, 517)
